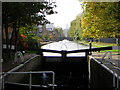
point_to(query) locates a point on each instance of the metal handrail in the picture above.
(64, 45)
(109, 57)
(115, 82)
(30, 78)
(61, 46)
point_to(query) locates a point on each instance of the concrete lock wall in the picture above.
(28, 66)
(100, 77)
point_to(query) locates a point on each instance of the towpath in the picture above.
(9, 65)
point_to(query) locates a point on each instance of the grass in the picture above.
(100, 44)
(112, 51)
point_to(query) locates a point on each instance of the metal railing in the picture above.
(30, 78)
(64, 45)
(109, 56)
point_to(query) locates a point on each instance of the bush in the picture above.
(32, 43)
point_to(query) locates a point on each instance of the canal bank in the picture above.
(69, 72)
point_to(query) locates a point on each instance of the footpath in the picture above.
(11, 64)
(115, 57)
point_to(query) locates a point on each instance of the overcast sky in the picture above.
(67, 11)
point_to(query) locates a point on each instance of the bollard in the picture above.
(17, 55)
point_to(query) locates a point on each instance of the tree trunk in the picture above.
(6, 32)
(11, 39)
(16, 37)
(15, 28)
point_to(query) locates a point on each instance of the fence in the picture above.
(104, 40)
(30, 79)
(109, 40)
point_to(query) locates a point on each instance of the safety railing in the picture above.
(30, 78)
(109, 56)
(63, 44)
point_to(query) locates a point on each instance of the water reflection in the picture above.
(64, 45)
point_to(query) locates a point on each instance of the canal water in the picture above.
(64, 45)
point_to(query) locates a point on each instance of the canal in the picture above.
(63, 65)
(71, 69)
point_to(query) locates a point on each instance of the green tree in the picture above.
(59, 31)
(75, 30)
(101, 19)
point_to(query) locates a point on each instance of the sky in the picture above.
(67, 12)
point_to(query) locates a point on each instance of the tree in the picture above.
(101, 19)
(59, 31)
(21, 14)
(75, 30)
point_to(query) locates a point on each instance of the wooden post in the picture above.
(90, 47)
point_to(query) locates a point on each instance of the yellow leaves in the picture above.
(82, 22)
(100, 20)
